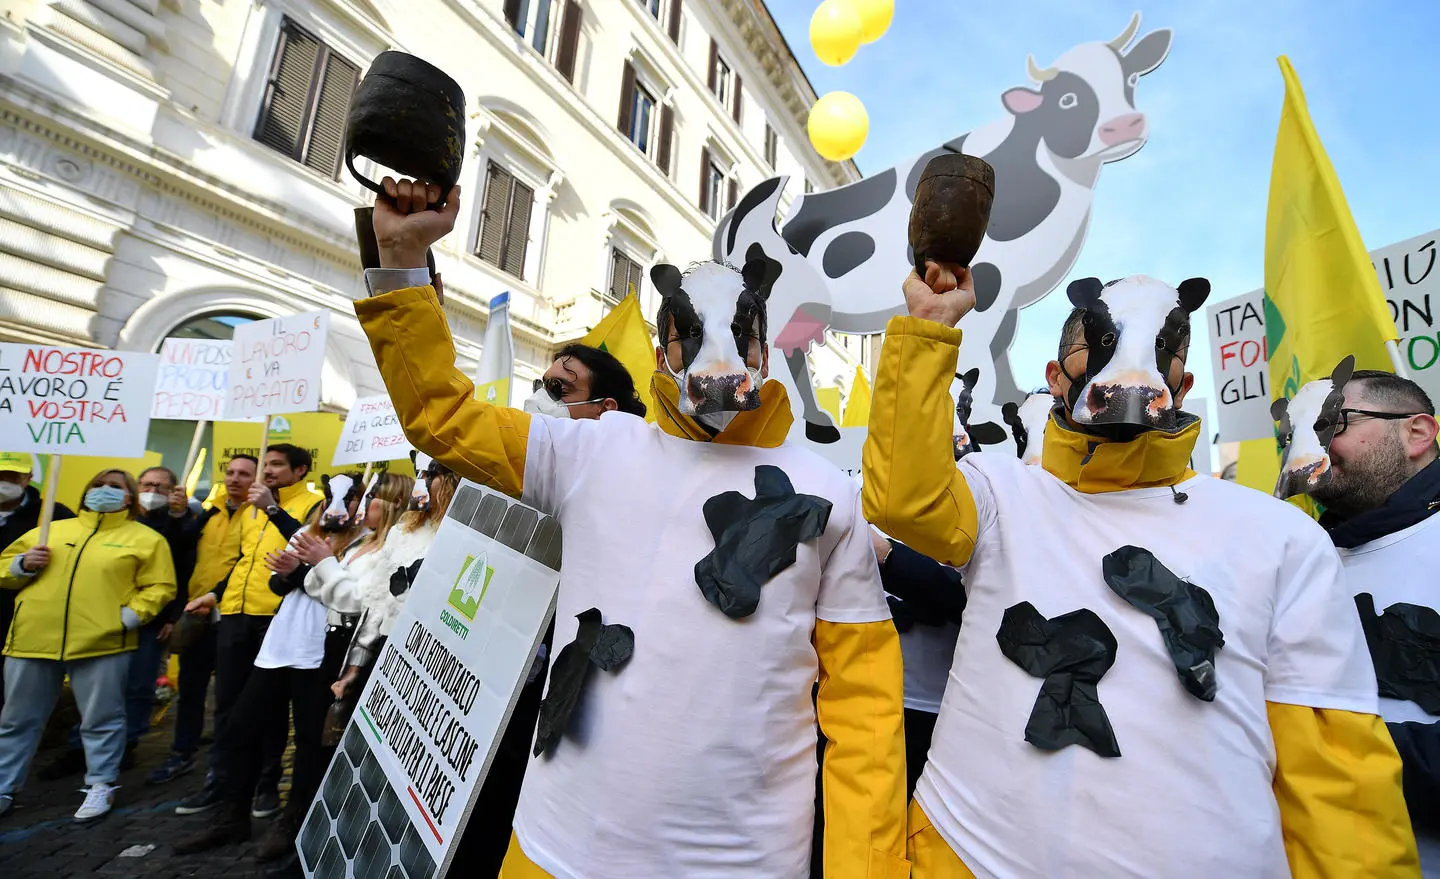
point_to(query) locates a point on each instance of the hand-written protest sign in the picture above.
(1240, 365)
(75, 401)
(1410, 277)
(277, 365)
(431, 717)
(192, 380)
(372, 433)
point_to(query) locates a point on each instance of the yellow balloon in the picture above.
(835, 31)
(875, 16)
(838, 126)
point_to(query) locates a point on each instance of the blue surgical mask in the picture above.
(105, 499)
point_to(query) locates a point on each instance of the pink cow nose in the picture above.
(1122, 128)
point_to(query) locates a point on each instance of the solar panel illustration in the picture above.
(357, 827)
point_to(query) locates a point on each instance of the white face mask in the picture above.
(9, 491)
(153, 500)
(541, 403)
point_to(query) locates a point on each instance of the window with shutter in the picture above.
(569, 41)
(739, 99)
(772, 145)
(674, 22)
(306, 100)
(624, 275)
(516, 11)
(517, 231)
(505, 221)
(733, 194)
(667, 137)
(627, 98)
(540, 32)
(704, 180)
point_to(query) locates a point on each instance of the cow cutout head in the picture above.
(712, 325)
(1072, 117)
(342, 501)
(1027, 424)
(1307, 424)
(1134, 330)
(970, 437)
(420, 494)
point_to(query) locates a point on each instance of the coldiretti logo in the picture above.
(470, 586)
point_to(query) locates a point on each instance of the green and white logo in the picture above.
(470, 586)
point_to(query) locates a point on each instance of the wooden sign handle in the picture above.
(47, 503)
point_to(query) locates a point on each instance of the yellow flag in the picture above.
(857, 408)
(1322, 297)
(624, 334)
(829, 400)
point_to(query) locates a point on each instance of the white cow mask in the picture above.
(341, 492)
(1028, 422)
(420, 494)
(1134, 329)
(1307, 425)
(719, 317)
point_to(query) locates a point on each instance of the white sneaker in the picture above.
(98, 800)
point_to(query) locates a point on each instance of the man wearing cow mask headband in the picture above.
(1379, 484)
(713, 572)
(1159, 674)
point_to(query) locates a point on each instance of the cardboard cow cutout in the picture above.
(1027, 424)
(970, 437)
(342, 497)
(1307, 425)
(845, 251)
(1134, 329)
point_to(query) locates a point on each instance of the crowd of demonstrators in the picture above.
(1380, 502)
(19, 513)
(194, 636)
(279, 502)
(85, 596)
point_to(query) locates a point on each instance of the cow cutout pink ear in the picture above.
(1021, 100)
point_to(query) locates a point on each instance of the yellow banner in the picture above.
(316, 432)
(857, 408)
(76, 471)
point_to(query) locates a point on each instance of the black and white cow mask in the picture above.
(1307, 425)
(1027, 424)
(420, 493)
(1134, 329)
(970, 437)
(342, 497)
(719, 320)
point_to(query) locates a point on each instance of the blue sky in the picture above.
(1192, 202)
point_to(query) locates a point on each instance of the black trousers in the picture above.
(237, 642)
(197, 663)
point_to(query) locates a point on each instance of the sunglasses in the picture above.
(556, 391)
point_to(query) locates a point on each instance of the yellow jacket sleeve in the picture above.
(1337, 782)
(7, 560)
(434, 400)
(154, 582)
(912, 491)
(861, 712)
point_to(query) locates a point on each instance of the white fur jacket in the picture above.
(369, 595)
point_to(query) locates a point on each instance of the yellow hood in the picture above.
(765, 427)
(1093, 464)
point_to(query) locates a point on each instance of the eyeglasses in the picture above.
(1343, 419)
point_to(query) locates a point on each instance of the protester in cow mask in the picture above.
(1235, 730)
(713, 573)
(1380, 497)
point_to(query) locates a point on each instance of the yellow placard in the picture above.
(317, 432)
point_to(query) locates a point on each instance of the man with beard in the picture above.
(1159, 673)
(1380, 500)
(713, 573)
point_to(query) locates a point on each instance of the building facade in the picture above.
(174, 167)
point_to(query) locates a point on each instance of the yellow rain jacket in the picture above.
(98, 564)
(1337, 774)
(248, 589)
(859, 701)
(219, 548)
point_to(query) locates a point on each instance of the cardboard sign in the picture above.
(405, 778)
(75, 401)
(193, 378)
(277, 364)
(372, 433)
(1240, 367)
(1409, 273)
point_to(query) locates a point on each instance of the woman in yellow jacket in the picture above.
(83, 595)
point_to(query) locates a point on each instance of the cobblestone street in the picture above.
(40, 839)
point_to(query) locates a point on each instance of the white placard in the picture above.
(75, 401)
(1240, 365)
(403, 782)
(372, 433)
(191, 382)
(1409, 274)
(277, 365)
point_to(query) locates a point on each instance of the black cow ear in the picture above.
(1343, 370)
(1085, 292)
(971, 377)
(1193, 292)
(1279, 408)
(666, 279)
